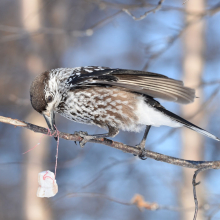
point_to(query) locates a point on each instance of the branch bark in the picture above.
(120, 146)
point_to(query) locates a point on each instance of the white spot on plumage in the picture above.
(89, 71)
(77, 68)
(113, 103)
(124, 102)
(119, 107)
(100, 68)
(108, 100)
(123, 95)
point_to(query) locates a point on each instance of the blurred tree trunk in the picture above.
(34, 207)
(193, 147)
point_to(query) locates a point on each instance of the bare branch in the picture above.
(120, 146)
(11, 121)
(157, 8)
(194, 183)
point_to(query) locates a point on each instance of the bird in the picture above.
(113, 99)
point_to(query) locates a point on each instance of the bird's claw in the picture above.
(85, 137)
(141, 155)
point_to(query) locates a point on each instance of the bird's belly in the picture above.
(103, 107)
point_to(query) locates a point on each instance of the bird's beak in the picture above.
(50, 119)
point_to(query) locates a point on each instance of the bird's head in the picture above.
(44, 96)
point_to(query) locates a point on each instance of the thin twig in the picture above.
(101, 172)
(98, 195)
(137, 200)
(171, 41)
(157, 8)
(194, 183)
(210, 83)
(206, 103)
(104, 4)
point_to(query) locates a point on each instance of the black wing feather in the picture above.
(151, 84)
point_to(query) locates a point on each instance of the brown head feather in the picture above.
(37, 95)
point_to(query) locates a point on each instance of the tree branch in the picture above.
(158, 7)
(120, 146)
(194, 183)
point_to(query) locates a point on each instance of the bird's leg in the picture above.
(112, 132)
(143, 141)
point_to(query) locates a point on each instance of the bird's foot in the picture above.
(141, 155)
(85, 137)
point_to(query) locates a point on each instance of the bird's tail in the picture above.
(186, 123)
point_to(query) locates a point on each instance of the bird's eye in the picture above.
(49, 99)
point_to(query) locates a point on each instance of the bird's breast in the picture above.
(101, 106)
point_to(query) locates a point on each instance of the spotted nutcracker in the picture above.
(112, 99)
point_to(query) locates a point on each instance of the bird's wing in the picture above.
(151, 84)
